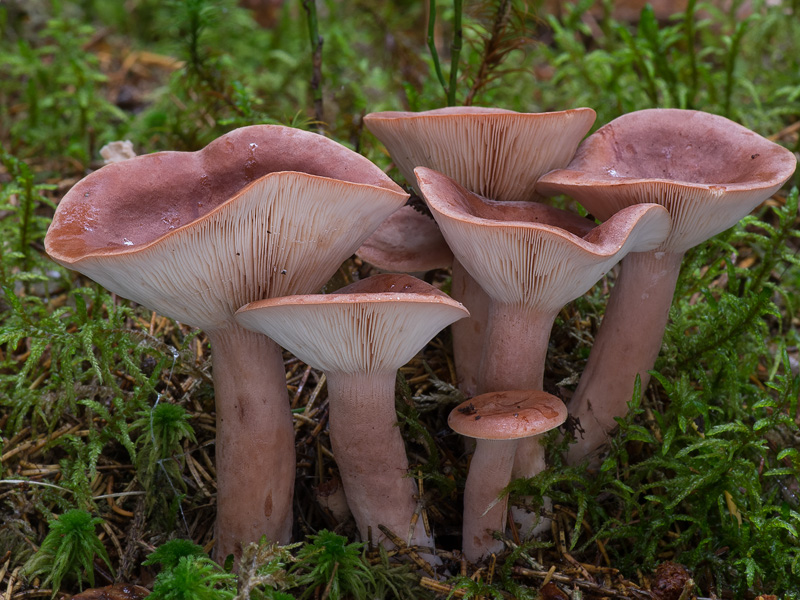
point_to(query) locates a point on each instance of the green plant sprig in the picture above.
(328, 562)
(68, 550)
(455, 49)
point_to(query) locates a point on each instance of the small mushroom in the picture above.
(359, 336)
(119, 591)
(709, 172)
(497, 420)
(496, 153)
(262, 211)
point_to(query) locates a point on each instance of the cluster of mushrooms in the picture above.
(238, 238)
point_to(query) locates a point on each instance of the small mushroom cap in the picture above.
(373, 325)
(493, 152)
(708, 171)
(507, 415)
(407, 242)
(532, 255)
(195, 235)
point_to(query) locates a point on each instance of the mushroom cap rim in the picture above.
(354, 298)
(574, 178)
(489, 112)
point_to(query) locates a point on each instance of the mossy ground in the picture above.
(705, 470)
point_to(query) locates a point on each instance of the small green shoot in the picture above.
(329, 563)
(169, 554)
(194, 578)
(68, 551)
(160, 457)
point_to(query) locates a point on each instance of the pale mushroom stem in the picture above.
(255, 456)
(489, 473)
(627, 343)
(515, 348)
(468, 334)
(514, 357)
(371, 456)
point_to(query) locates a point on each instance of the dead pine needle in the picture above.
(412, 554)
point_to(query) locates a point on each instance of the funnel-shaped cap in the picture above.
(532, 255)
(259, 212)
(374, 325)
(706, 170)
(493, 152)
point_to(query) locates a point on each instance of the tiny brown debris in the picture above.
(468, 410)
(573, 427)
(550, 591)
(330, 495)
(121, 591)
(669, 581)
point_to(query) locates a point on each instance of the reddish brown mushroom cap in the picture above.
(507, 415)
(196, 235)
(130, 204)
(375, 324)
(493, 152)
(529, 254)
(708, 171)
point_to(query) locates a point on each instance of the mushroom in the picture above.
(262, 211)
(496, 153)
(531, 260)
(497, 420)
(709, 172)
(407, 242)
(359, 336)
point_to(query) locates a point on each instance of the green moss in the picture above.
(68, 551)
